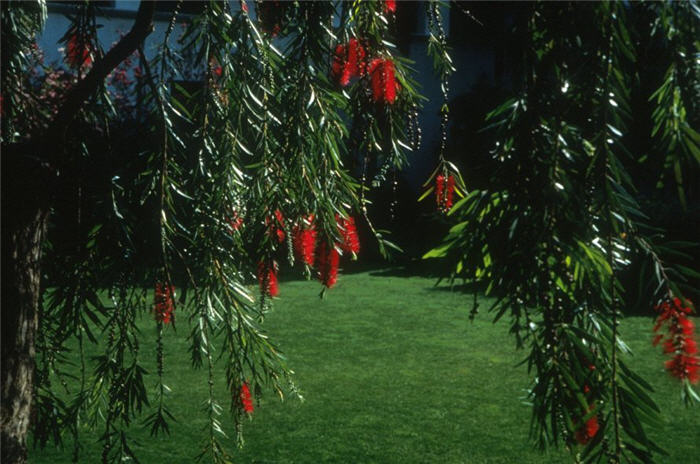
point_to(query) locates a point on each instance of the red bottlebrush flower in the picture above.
(244, 6)
(585, 432)
(588, 430)
(246, 398)
(348, 231)
(450, 191)
(77, 53)
(679, 340)
(390, 6)
(356, 58)
(339, 64)
(267, 278)
(280, 226)
(684, 367)
(235, 222)
(348, 62)
(304, 240)
(439, 189)
(691, 370)
(592, 426)
(276, 225)
(328, 260)
(669, 346)
(390, 84)
(384, 84)
(279, 216)
(444, 191)
(686, 326)
(164, 305)
(346, 72)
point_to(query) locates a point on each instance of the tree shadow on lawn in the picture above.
(428, 269)
(413, 268)
(441, 282)
(417, 268)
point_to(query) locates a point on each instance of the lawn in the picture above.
(392, 371)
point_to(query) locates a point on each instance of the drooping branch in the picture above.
(142, 27)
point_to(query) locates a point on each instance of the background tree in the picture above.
(560, 217)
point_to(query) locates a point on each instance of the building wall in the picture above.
(115, 21)
(472, 63)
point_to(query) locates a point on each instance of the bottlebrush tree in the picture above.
(562, 217)
(252, 167)
(259, 136)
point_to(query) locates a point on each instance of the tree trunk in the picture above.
(24, 218)
(27, 181)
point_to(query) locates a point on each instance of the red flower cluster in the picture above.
(325, 255)
(267, 278)
(77, 53)
(163, 302)
(246, 398)
(348, 231)
(215, 67)
(235, 222)
(390, 6)
(304, 240)
(348, 62)
(276, 225)
(679, 341)
(384, 84)
(444, 191)
(588, 430)
(328, 260)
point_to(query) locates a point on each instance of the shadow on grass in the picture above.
(414, 268)
(428, 269)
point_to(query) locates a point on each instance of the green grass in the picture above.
(392, 371)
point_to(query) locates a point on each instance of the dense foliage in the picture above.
(259, 136)
(561, 218)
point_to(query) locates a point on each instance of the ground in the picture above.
(392, 371)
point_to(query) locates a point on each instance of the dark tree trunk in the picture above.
(24, 217)
(27, 181)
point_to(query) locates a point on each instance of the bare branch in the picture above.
(143, 26)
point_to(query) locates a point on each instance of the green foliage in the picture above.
(676, 115)
(561, 221)
(239, 119)
(21, 21)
